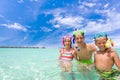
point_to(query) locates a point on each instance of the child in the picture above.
(83, 51)
(105, 58)
(66, 54)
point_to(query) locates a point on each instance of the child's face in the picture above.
(100, 43)
(79, 38)
(67, 42)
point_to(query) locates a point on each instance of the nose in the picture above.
(79, 40)
(102, 44)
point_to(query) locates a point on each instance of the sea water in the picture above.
(34, 64)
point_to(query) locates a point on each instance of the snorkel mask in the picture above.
(101, 34)
(77, 32)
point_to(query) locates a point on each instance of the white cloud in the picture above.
(106, 5)
(112, 23)
(88, 4)
(68, 21)
(116, 42)
(116, 39)
(93, 26)
(62, 18)
(57, 26)
(15, 26)
(46, 29)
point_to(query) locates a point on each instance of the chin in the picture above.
(103, 49)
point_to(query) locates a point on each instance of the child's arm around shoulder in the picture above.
(92, 47)
(75, 54)
(116, 59)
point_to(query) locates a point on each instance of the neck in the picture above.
(104, 50)
(67, 48)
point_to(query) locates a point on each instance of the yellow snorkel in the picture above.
(109, 43)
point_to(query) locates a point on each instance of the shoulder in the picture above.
(96, 52)
(91, 46)
(113, 52)
(61, 50)
(73, 50)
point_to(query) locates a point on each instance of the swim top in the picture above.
(67, 55)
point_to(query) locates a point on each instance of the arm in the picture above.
(94, 47)
(116, 60)
(93, 64)
(75, 55)
(60, 54)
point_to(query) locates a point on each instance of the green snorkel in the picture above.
(78, 32)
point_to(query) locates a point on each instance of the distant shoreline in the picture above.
(19, 47)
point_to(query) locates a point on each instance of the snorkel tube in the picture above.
(109, 43)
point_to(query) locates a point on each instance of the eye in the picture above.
(99, 43)
(77, 38)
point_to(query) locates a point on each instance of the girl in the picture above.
(66, 54)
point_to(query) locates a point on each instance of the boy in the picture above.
(105, 58)
(83, 51)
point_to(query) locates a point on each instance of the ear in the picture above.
(95, 42)
(97, 48)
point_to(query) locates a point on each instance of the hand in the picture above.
(89, 67)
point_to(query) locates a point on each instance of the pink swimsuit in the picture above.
(67, 55)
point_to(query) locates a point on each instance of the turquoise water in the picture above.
(32, 64)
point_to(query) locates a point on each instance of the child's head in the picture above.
(100, 40)
(78, 36)
(66, 40)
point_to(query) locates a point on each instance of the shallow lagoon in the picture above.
(35, 64)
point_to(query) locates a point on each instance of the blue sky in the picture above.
(44, 22)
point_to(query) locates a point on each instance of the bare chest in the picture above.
(84, 54)
(104, 57)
